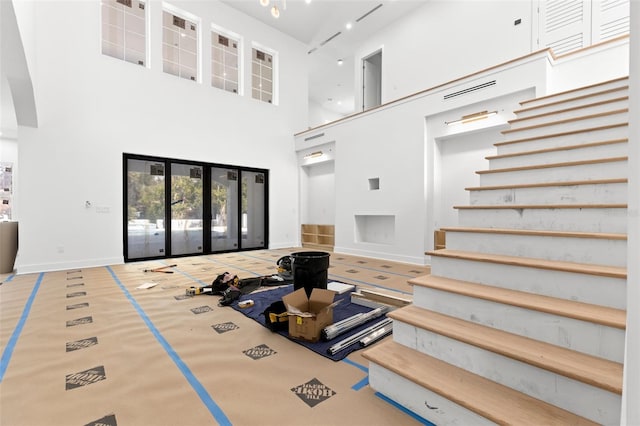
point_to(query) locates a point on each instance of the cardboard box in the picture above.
(307, 317)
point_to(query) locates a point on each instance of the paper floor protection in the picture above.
(120, 346)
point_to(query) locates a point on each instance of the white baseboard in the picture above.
(61, 266)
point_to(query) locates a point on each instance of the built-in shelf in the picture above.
(320, 237)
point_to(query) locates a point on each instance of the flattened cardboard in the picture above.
(307, 317)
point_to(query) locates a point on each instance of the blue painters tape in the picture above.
(362, 383)
(213, 408)
(8, 350)
(405, 410)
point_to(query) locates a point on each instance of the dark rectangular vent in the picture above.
(331, 38)
(260, 55)
(223, 40)
(319, 135)
(124, 2)
(369, 12)
(178, 22)
(470, 89)
(141, 6)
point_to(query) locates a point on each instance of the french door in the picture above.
(179, 208)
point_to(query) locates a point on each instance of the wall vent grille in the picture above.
(369, 12)
(319, 135)
(331, 38)
(470, 89)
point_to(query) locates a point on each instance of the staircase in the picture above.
(522, 320)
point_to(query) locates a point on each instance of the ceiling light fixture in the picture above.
(471, 118)
(340, 62)
(349, 25)
(275, 10)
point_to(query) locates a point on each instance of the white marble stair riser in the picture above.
(596, 251)
(562, 139)
(586, 153)
(585, 400)
(594, 289)
(577, 99)
(443, 412)
(563, 173)
(578, 335)
(584, 110)
(609, 193)
(568, 126)
(554, 97)
(606, 220)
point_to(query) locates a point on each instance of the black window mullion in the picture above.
(206, 209)
(167, 208)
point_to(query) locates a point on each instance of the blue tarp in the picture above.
(344, 309)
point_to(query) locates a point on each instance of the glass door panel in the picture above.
(224, 209)
(253, 210)
(186, 209)
(145, 209)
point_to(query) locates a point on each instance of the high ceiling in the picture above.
(321, 25)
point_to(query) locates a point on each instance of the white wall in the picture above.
(320, 193)
(445, 40)
(92, 108)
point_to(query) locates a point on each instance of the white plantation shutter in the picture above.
(564, 25)
(568, 25)
(610, 19)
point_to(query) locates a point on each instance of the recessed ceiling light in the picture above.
(307, 1)
(349, 25)
(340, 62)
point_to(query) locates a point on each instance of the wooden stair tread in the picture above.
(553, 265)
(546, 184)
(597, 314)
(558, 148)
(541, 206)
(536, 232)
(573, 99)
(570, 132)
(585, 368)
(573, 108)
(579, 89)
(491, 400)
(553, 165)
(566, 120)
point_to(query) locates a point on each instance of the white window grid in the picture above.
(124, 27)
(225, 61)
(262, 72)
(179, 46)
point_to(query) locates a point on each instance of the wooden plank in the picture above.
(574, 108)
(548, 184)
(553, 165)
(538, 233)
(559, 148)
(597, 314)
(580, 268)
(585, 368)
(566, 120)
(489, 399)
(541, 206)
(567, 133)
